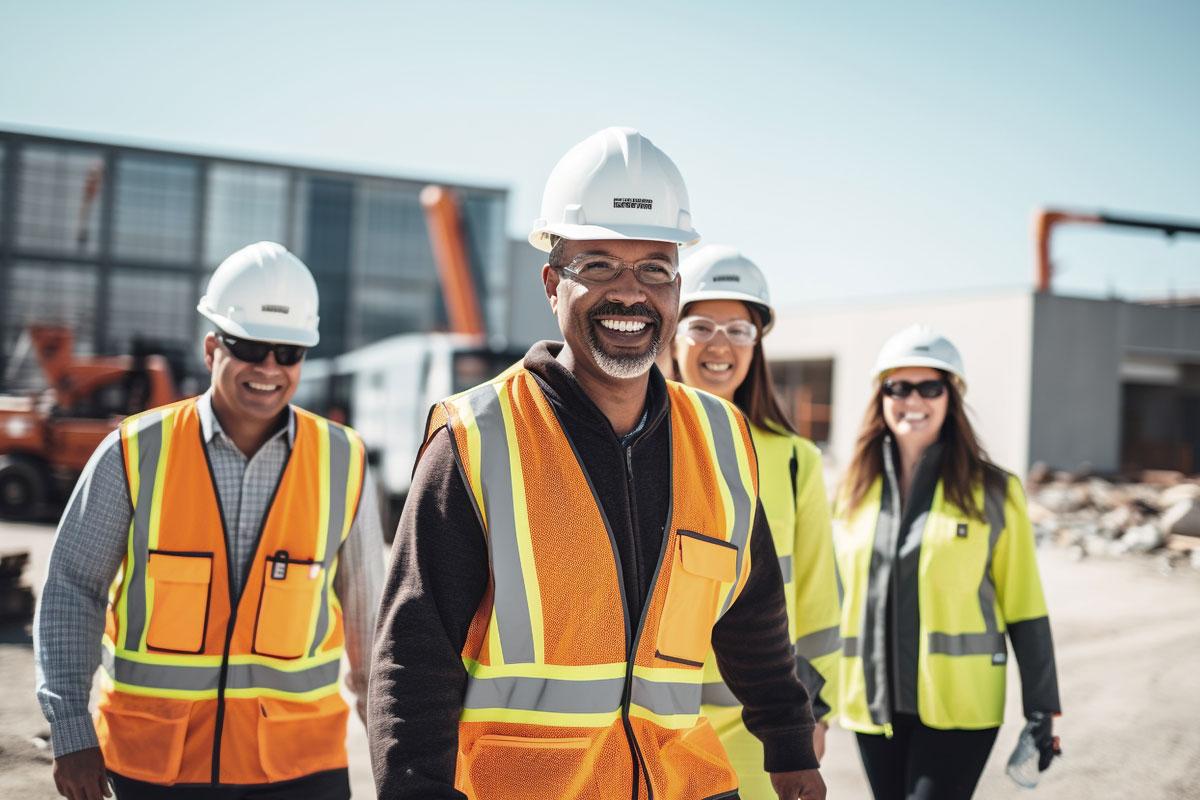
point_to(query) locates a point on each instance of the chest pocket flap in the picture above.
(701, 565)
(181, 596)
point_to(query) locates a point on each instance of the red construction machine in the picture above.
(47, 436)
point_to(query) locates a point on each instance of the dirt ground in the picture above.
(1128, 644)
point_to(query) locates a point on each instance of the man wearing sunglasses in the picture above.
(578, 537)
(217, 557)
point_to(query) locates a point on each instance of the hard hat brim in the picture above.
(918, 361)
(744, 297)
(540, 237)
(278, 334)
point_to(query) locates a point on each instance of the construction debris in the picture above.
(1157, 512)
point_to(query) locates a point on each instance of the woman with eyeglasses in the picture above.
(936, 553)
(725, 311)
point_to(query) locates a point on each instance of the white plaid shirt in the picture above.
(92, 539)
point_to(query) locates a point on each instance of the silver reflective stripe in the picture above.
(206, 678)
(149, 444)
(723, 439)
(545, 694)
(850, 647)
(819, 643)
(785, 568)
(511, 602)
(339, 473)
(993, 512)
(967, 644)
(718, 694)
(666, 698)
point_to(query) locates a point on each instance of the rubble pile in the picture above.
(1158, 512)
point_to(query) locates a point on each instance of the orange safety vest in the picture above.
(568, 697)
(203, 687)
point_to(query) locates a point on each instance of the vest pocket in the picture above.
(286, 606)
(700, 565)
(145, 744)
(179, 613)
(530, 767)
(297, 739)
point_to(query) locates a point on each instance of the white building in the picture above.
(1062, 380)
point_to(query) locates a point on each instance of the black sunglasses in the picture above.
(927, 389)
(256, 352)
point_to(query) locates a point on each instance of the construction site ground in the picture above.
(1127, 635)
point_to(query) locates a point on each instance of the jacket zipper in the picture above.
(893, 589)
(631, 656)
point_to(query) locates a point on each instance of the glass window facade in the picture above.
(119, 243)
(59, 199)
(150, 305)
(47, 293)
(395, 277)
(244, 205)
(155, 215)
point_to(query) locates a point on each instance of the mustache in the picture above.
(611, 309)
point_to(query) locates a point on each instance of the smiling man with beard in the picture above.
(579, 537)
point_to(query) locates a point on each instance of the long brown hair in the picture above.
(964, 461)
(755, 396)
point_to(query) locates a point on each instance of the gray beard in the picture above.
(623, 367)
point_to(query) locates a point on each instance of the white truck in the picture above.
(385, 391)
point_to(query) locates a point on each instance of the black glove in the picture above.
(1041, 728)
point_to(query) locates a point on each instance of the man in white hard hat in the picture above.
(577, 532)
(217, 556)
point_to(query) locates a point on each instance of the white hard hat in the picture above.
(265, 293)
(920, 346)
(720, 272)
(615, 184)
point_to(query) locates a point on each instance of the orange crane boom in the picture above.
(444, 220)
(1045, 220)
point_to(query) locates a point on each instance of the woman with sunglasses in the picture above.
(936, 553)
(725, 310)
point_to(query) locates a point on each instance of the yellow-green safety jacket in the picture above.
(792, 491)
(941, 588)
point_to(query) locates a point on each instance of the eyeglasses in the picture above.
(739, 332)
(927, 389)
(253, 352)
(602, 269)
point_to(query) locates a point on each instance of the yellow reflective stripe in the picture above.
(558, 671)
(466, 414)
(321, 530)
(554, 718)
(214, 660)
(322, 426)
(353, 482)
(133, 476)
(533, 589)
(670, 721)
(166, 428)
(726, 496)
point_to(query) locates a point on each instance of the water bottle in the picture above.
(1023, 763)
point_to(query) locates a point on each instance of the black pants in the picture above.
(331, 785)
(922, 763)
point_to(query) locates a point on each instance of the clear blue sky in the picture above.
(853, 150)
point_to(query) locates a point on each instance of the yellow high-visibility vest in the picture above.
(203, 686)
(977, 577)
(792, 491)
(567, 695)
